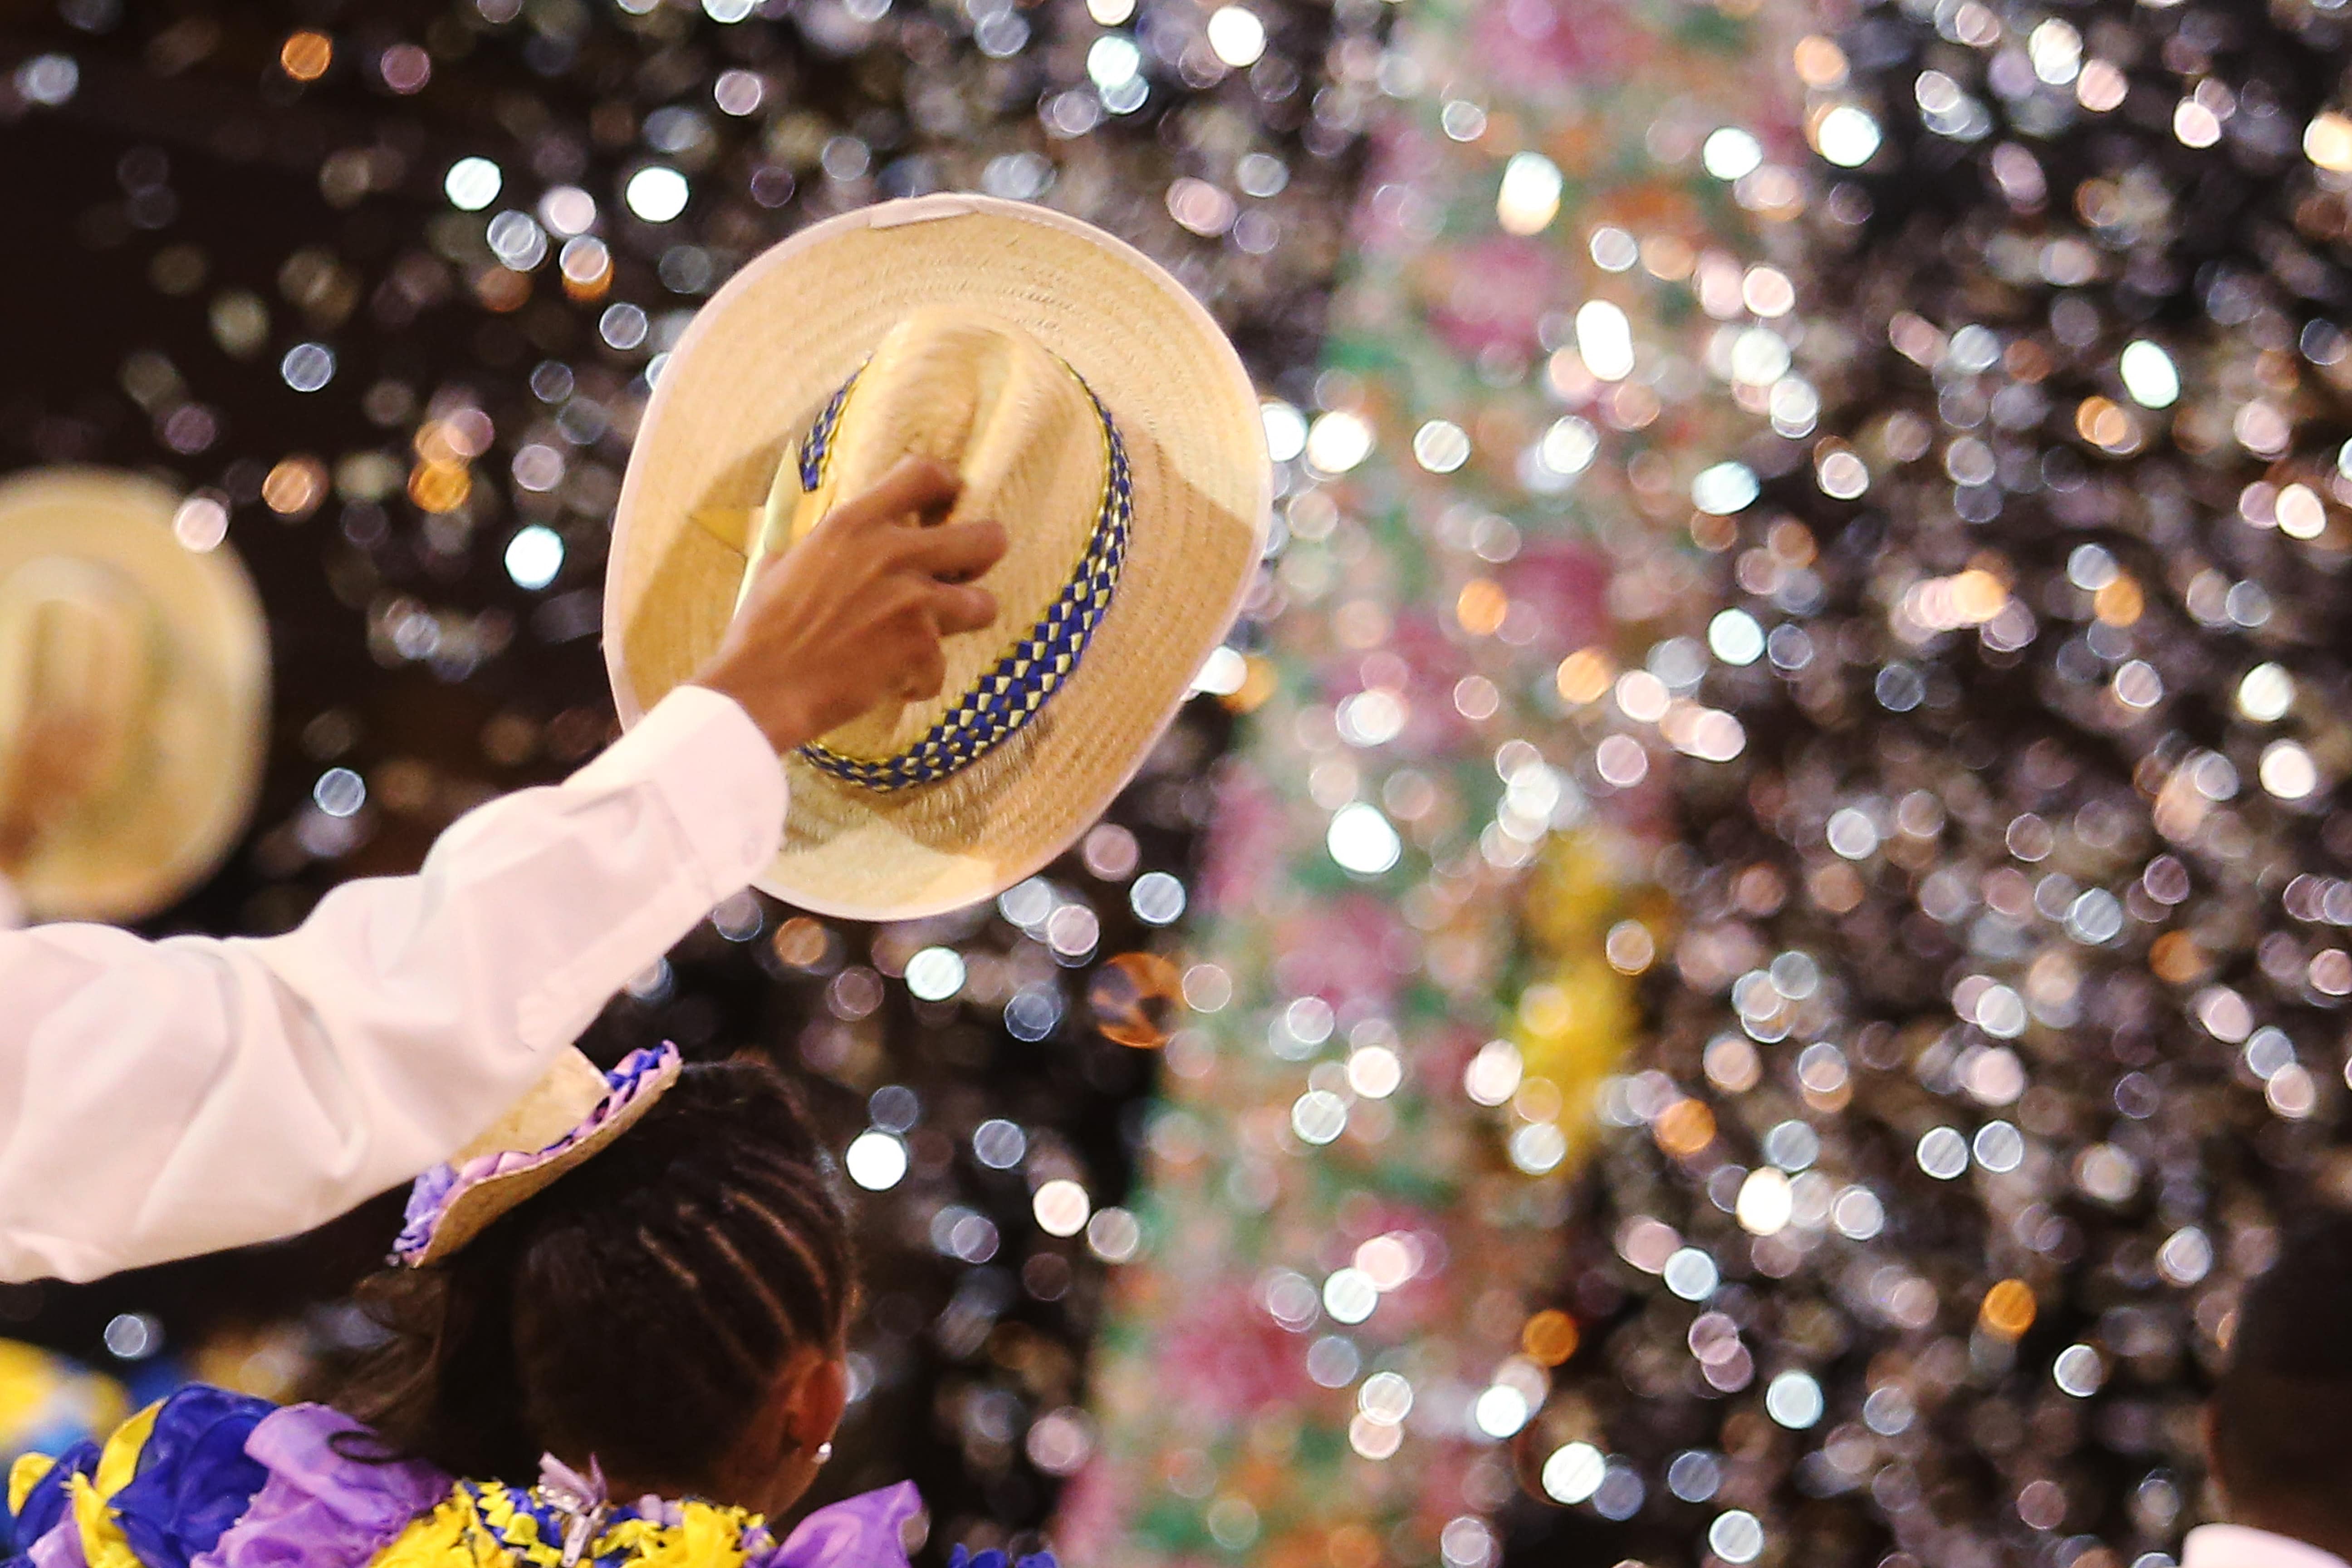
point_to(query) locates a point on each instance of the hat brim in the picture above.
(742, 385)
(141, 848)
(472, 1202)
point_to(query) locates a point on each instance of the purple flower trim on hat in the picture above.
(639, 1073)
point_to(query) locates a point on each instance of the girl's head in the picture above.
(674, 1309)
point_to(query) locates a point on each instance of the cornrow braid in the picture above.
(637, 1310)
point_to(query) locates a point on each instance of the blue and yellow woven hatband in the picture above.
(1013, 690)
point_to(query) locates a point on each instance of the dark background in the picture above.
(187, 164)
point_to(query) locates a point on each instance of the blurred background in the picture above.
(383, 290)
(1744, 950)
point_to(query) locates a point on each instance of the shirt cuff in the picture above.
(722, 782)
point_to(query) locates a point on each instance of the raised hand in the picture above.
(853, 614)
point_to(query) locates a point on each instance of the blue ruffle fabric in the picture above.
(48, 1502)
(191, 1481)
(961, 1558)
(223, 1481)
(194, 1478)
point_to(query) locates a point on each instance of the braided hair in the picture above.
(637, 1310)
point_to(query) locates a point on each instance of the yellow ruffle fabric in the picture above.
(488, 1527)
(24, 1476)
(103, 1545)
(476, 1526)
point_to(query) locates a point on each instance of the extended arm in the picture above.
(163, 1099)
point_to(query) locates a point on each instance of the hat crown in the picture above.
(984, 398)
(75, 644)
(560, 1100)
(1032, 752)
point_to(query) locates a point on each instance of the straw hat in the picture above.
(574, 1112)
(1090, 405)
(161, 650)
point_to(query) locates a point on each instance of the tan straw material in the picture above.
(980, 325)
(569, 1117)
(161, 651)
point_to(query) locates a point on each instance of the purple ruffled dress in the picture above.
(319, 1509)
(226, 1481)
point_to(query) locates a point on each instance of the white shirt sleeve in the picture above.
(162, 1099)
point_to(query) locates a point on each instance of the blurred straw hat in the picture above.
(158, 653)
(1091, 406)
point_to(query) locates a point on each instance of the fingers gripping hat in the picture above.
(1088, 404)
(155, 654)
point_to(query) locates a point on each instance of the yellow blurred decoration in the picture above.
(2008, 1310)
(2119, 603)
(1481, 607)
(1591, 1021)
(268, 1363)
(2327, 142)
(1580, 1017)
(440, 487)
(1576, 895)
(1545, 1009)
(1258, 685)
(1586, 675)
(295, 487)
(801, 942)
(1684, 1128)
(1551, 1337)
(2104, 425)
(48, 1403)
(306, 55)
(594, 285)
(1819, 62)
